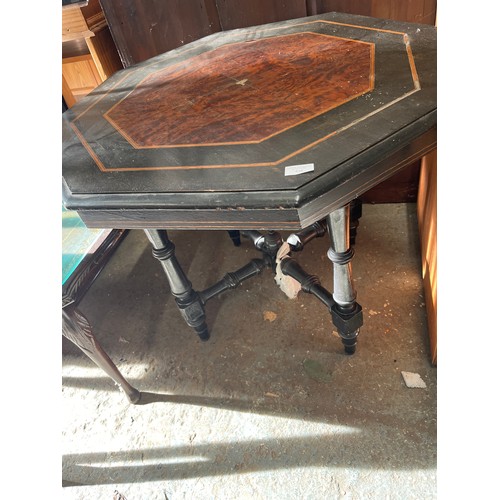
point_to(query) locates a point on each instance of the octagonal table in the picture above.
(275, 127)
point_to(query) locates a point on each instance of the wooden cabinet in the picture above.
(89, 55)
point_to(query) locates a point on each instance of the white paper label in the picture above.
(299, 169)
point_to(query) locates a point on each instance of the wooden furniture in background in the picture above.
(89, 55)
(427, 221)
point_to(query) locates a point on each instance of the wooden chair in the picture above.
(85, 252)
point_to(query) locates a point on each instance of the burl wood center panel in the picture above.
(244, 92)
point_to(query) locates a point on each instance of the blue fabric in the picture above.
(77, 240)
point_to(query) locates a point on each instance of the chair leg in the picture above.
(76, 328)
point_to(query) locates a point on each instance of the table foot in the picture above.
(75, 327)
(188, 301)
(347, 321)
(347, 315)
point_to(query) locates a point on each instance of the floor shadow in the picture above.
(347, 437)
(349, 447)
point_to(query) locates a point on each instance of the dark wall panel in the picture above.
(243, 13)
(414, 11)
(360, 7)
(144, 29)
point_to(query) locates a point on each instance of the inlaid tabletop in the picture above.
(265, 127)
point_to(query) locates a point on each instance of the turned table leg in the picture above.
(346, 312)
(187, 300)
(235, 237)
(76, 328)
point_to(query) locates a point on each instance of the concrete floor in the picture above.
(270, 407)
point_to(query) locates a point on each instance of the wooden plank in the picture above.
(80, 76)
(427, 221)
(77, 58)
(74, 24)
(104, 53)
(74, 48)
(94, 16)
